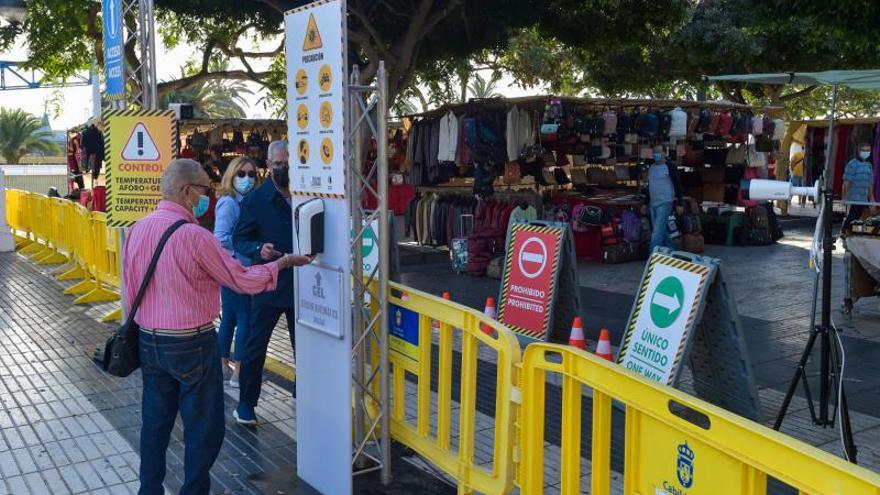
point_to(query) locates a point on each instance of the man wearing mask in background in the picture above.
(263, 233)
(663, 189)
(858, 185)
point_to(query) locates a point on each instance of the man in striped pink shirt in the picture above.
(180, 359)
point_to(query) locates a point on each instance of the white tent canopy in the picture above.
(855, 79)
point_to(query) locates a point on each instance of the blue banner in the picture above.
(114, 69)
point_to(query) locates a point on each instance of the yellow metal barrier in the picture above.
(34, 217)
(430, 434)
(16, 217)
(54, 231)
(98, 261)
(717, 453)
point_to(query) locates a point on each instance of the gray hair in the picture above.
(178, 175)
(275, 147)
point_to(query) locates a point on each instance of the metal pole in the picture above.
(94, 74)
(384, 262)
(357, 268)
(828, 247)
(146, 21)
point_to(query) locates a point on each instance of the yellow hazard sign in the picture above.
(326, 151)
(313, 37)
(302, 151)
(326, 114)
(302, 116)
(139, 145)
(302, 82)
(325, 78)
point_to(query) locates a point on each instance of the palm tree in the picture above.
(481, 88)
(215, 99)
(22, 133)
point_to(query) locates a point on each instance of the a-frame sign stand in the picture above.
(685, 312)
(539, 295)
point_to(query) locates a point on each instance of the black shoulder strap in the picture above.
(152, 268)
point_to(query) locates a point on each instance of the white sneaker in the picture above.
(233, 380)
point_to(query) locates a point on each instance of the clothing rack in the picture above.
(538, 101)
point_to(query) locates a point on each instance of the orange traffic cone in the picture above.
(491, 313)
(603, 348)
(576, 339)
(435, 325)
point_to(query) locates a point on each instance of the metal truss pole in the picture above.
(368, 106)
(140, 33)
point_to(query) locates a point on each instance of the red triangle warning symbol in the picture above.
(140, 146)
(313, 37)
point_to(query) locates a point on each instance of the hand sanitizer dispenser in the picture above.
(309, 224)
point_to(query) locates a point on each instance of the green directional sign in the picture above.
(369, 242)
(666, 302)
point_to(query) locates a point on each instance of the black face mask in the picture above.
(281, 175)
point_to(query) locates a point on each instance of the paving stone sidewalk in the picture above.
(67, 427)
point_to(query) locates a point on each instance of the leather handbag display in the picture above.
(121, 351)
(512, 173)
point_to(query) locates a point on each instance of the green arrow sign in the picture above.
(369, 242)
(666, 302)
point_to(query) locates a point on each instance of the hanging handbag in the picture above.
(121, 351)
(736, 155)
(512, 173)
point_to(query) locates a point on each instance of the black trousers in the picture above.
(253, 357)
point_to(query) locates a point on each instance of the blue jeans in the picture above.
(253, 357)
(659, 221)
(181, 374)
(236, 311)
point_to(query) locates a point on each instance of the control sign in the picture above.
(139, 146)
(529, 283)
(664, 317)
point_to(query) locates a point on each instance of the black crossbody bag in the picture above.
(121, 352)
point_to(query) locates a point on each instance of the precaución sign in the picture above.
(139, 145)
(315, 67)
(664, 317)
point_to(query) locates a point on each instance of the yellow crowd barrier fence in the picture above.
(674, 444)
(440, 429)
(55, 231)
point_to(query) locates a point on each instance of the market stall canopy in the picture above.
(855, 79)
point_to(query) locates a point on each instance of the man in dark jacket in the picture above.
(264, 232)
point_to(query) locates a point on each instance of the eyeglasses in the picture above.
(242, 174)
(206, 188)
(282, 163)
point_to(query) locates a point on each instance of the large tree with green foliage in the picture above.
(22, 133)
(409, 35)
(714, 37)
(211, 99)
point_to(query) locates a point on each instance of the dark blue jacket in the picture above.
(266, 217)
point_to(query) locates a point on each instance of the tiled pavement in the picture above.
(66, 427)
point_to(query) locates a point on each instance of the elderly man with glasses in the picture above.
(263, 233)
(179, 353)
